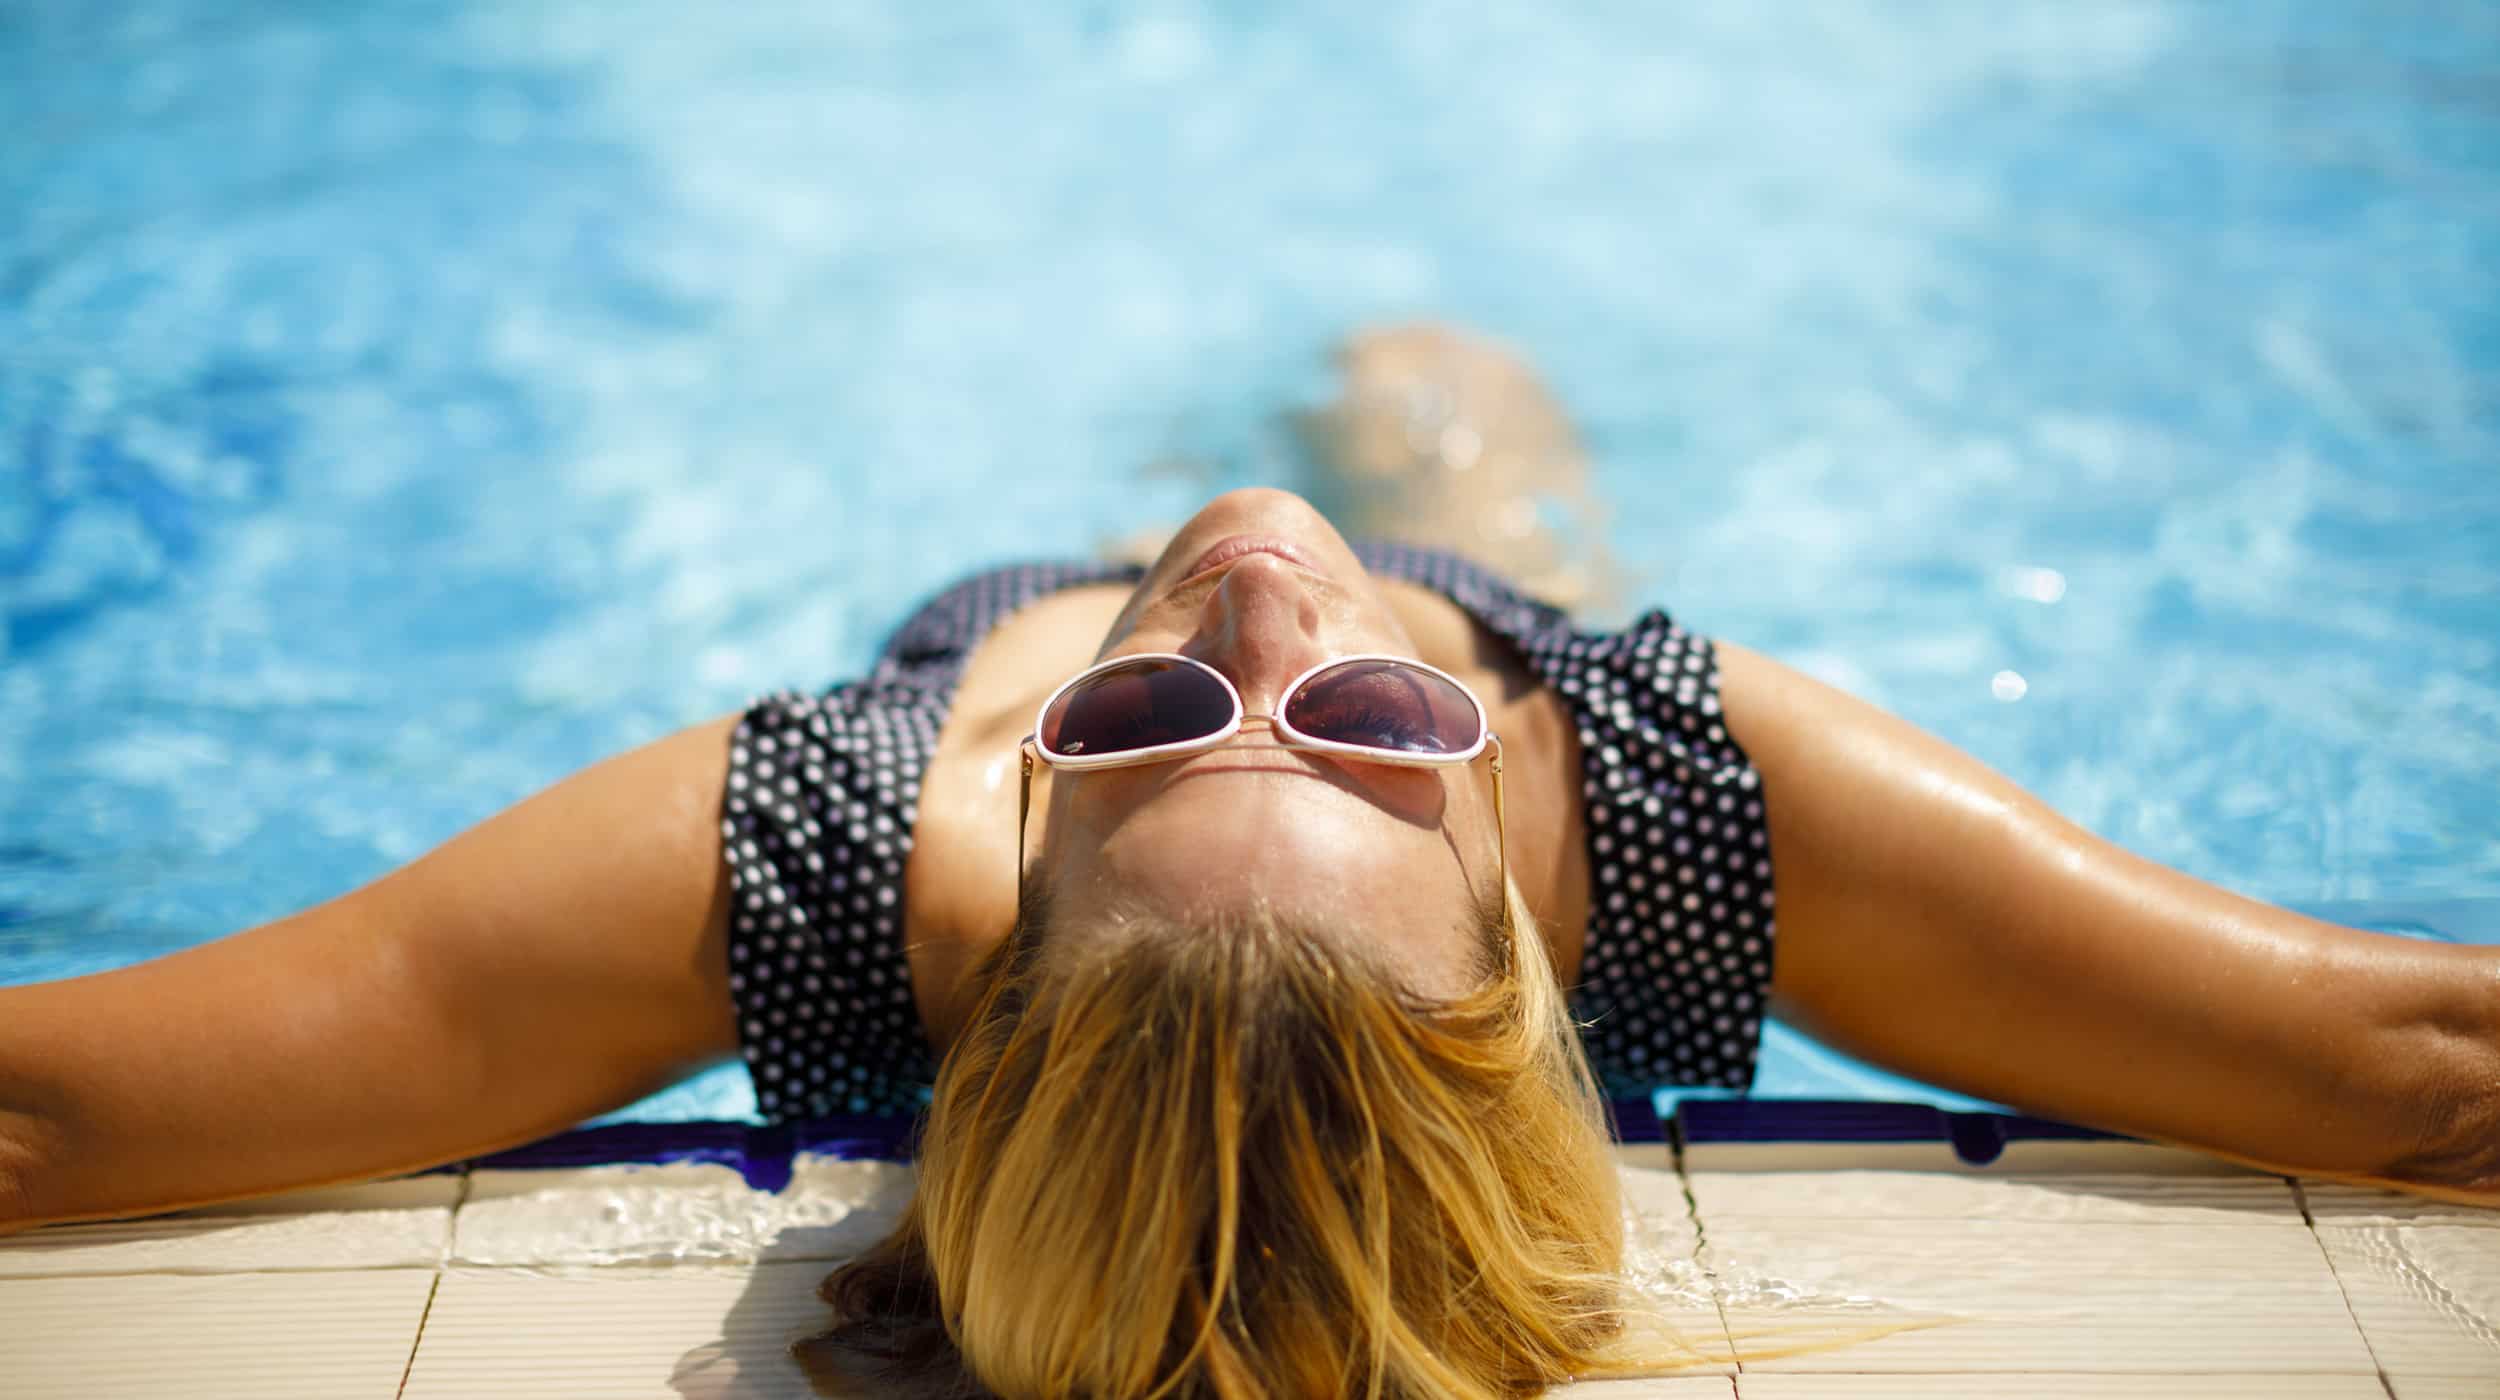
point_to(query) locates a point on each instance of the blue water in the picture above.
(402, 405)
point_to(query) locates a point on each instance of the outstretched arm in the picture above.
(1937, 920)
(558, 960)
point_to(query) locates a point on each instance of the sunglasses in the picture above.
(1157, 706)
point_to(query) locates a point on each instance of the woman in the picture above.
(1253, 1068)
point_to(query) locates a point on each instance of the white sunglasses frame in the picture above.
(1277, 723)
(1030, 747)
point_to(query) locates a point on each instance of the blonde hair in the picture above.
(1245, 1161)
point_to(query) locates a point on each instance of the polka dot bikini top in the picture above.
(823, 788)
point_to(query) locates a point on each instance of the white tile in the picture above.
(2334, 1203)
(621, 1222)
(2073, 1198)
(322, 1336)
(1651, 1388)
(1938, 1296)
(691, 1332)
(1649, 1156)
(1819, 1156)
(2428, 1296)
(1682, 1340)
(832, 1209)
(2030, 1157)
(680, 1213)
(2032, 1385)
(1656, 1211)
(675, 1333)
(2052, 1155)
(1672, 1301)
(379, 1225)
(2441, 1387)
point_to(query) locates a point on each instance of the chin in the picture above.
(1260, 510)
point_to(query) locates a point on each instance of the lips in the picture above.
(1239, 546)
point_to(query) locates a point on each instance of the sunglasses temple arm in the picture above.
(1501, 829)
(1024, 805)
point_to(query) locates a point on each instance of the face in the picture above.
(1384, 853)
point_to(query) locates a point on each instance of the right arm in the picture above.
(1941, 922)
(560, 959)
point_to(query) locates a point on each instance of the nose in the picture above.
(1260, 627)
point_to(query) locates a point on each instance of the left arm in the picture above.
(1937, 920)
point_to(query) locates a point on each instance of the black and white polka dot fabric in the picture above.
(816, 826)
(823, 790)
(1677, 963)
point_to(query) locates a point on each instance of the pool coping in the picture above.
(762, 1152)
(1889, 1193)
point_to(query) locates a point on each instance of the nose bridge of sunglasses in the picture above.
(1138, 707)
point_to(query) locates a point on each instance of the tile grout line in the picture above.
(442, 1261)
(1701, 1239)
(417, 1341)
(2301, 1198)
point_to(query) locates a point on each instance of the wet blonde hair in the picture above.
(1245, 1161)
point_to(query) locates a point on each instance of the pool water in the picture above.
(403, 405)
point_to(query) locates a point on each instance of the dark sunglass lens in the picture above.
(1135, 706)
(1385, 705)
